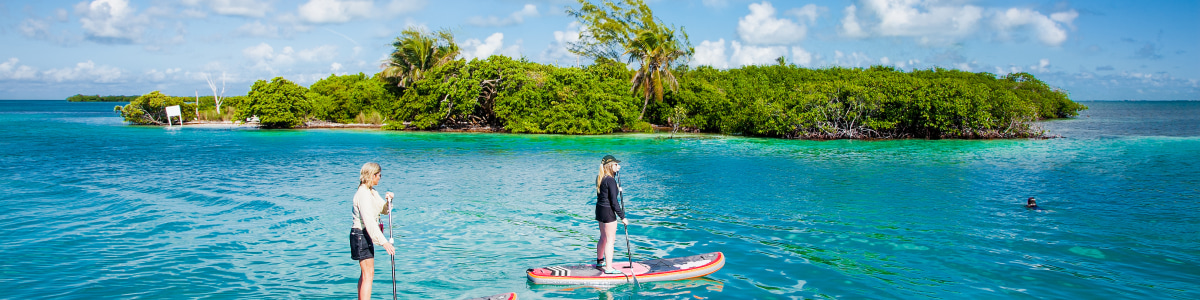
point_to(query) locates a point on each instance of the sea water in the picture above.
(95, 208)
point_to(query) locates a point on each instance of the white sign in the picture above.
(173, 111)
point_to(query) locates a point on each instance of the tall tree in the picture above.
(217, 97)
(629, 30)
(416, 52)
(655, 49)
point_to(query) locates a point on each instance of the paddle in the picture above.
(628, 248)
(393, 242)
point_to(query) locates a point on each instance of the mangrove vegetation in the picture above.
(638, 76)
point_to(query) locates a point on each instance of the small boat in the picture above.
(665, 269)
(504, 296)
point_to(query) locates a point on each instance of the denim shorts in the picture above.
(361, 246)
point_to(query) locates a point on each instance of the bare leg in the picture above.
(366, 278)
(608, 235)
(600, 244)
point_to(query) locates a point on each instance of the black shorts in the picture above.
(361, 246)
(605, 214)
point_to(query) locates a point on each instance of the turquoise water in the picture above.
(94, 208)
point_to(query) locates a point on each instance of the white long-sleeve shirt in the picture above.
(367, 200)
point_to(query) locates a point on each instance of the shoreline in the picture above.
(656, 129)
(333, 125)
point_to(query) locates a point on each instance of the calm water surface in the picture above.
(94, 208)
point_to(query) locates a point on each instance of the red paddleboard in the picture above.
(646, 271)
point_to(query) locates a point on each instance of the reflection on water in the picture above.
(689, 288)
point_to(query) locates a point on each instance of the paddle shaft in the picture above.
(628, 248)
(392, 241)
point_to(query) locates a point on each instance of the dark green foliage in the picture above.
(591, 100)
(151, 109)
(879, 102)
(278, 103)
(503, 94)
(343, 98)
(98, 98)
(446, 96)
(519, 96)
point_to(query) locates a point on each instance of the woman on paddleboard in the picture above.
(608, 211)
(367, 208)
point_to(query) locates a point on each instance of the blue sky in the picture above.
(1096, 50)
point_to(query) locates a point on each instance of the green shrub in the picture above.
(278, 103)
(151, 109)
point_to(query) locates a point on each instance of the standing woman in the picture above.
(367, 208)
(608, 209)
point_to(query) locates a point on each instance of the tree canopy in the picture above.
(616, 30)
(151, 109)
(278, 103)
(425, 85)
(416, 52)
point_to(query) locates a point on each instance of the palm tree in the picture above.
(655, 48)
(417, 52)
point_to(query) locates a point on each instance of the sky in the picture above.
(1094, 50)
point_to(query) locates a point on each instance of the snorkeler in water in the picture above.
(1032, 204)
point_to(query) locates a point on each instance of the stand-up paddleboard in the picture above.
(646, 271)
(505, 296)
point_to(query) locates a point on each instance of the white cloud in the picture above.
(1047, 29)
(517, 17)
(335, 11)
(258, 29)
(405, 6)
(244, 8)
(808, 12)
(62, 15)
(801, 57)
(322, 53)
(111, 21)
(334, 67)
(265, 58)
(710, 53)
(12, 70)
(33, 28)
(753, 55)
(1042, 66)
(854, 59)
(942, 22)
(1066, 17)
(907, 18)
(762, 27)
(193, 13)
(557, 50)
(850, 26)
(493, 44)
(885, 61)
(158, 76)
(342, 11)
(84, 71)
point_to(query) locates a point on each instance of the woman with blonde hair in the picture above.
(608, 209)
(367, 208)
